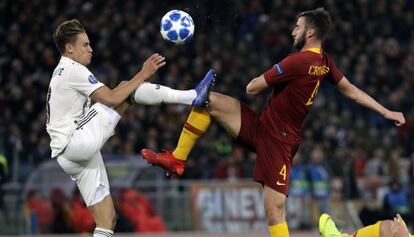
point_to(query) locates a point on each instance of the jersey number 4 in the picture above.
(283, 172)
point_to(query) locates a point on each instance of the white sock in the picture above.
(154, 94)
(101, 232)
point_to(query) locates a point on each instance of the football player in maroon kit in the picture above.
(275, 133)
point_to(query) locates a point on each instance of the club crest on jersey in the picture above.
(278, 69)
(92, 79)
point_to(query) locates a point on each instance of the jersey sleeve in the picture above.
(281, 72)
(334, 75)
(83, 81)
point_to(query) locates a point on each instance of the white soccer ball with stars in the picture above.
(177, 27)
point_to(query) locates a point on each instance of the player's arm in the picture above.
(362, 98)
(256, 85)
(114, 98)
(281, 72)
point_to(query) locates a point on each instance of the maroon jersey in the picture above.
(295, 82)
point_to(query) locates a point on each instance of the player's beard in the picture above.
(299, 42)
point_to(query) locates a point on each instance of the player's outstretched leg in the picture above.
(203, 88)
(196, 125)
(155, 94)
(173, 162)
(165, 160)
(327, 227)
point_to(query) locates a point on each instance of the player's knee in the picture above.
(81, 151)
(275, 212)
(213, 99)
(218, 103)
(88, 148)
(276, 207)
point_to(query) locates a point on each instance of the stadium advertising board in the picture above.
(227, 207)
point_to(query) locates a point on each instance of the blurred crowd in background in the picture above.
(60, 214)
(372, 43)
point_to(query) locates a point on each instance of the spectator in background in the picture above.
(411, 187)
(375, 172)
(405, 133)
(230, 167)
(137, 208)
(38, 213)
(319, 179)
(81, 219)
(394, 164)
(4, 173)
(396, 201)
(194, 171)
(61, 212)
(358, 161)
(4, 169)
(123, 223)
(297, 204)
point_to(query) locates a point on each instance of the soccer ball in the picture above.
(177, 27)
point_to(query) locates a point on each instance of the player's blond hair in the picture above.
(67, 32)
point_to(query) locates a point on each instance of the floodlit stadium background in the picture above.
(371, 41)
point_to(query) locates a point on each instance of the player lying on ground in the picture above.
(385, 228)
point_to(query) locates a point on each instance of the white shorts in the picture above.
(82, 158)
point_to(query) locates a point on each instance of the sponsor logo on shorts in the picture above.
(280, 184)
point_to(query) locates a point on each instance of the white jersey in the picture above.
(67, 100)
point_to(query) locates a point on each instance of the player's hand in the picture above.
(152, 64)
(397, 117)
(399, 228)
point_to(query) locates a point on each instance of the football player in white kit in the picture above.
(78, 129)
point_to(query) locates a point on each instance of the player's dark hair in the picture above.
(319, 19)
(67, 32)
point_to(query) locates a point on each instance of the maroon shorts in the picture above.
(273, 156)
